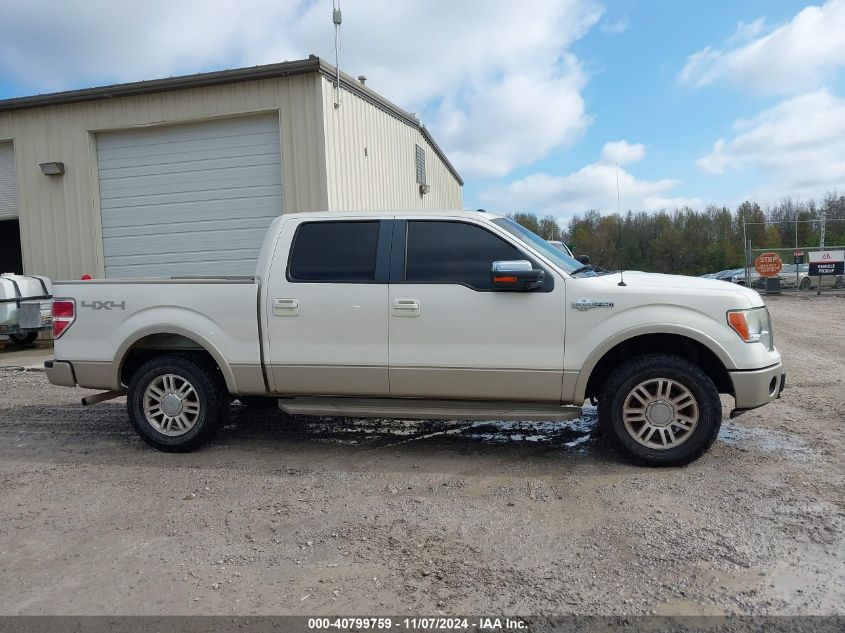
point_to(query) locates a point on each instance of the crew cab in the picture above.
(449, 314)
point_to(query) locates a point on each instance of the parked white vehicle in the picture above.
(454, 315)
(24, 307)
(561, 246)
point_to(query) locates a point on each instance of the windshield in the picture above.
(561, 259)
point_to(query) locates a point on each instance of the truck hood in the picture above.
(635, 279)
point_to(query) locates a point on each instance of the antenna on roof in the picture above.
(619, 214)
(337, 18)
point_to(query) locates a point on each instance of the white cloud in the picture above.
(591, 187)
(799, 144)
(793, 57)
(622, 152)
(495, 78)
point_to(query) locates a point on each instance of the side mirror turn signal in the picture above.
(516, 276)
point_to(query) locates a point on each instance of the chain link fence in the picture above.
(793, 277)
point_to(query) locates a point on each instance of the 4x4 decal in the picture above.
(104, 305)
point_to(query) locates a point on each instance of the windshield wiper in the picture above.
(583, 269)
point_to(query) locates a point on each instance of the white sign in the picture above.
(824, 257)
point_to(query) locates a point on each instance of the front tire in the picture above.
(660, 410)
(176, 404)
(805, 284)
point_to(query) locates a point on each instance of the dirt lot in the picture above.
(319, 516)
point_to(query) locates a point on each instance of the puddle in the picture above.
(766, 441)
(382, 432)
(568, 434)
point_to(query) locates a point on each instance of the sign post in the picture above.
(826, 263)
(798, 257)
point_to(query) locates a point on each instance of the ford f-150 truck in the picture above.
(454, 315)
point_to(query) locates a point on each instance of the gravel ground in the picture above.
(326, 516)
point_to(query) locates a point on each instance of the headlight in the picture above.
(753, 326)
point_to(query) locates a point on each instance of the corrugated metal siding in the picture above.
(61, 234)
(191, 199)
(8, 182)
(371, 160)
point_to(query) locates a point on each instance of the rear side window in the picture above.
(334, 251)
(453, 252)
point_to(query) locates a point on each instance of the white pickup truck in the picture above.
(453, 314)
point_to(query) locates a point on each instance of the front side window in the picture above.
(334, 252)
(453, 252)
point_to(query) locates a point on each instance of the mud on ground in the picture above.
(327, 516)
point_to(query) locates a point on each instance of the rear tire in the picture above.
(24, 339)
(660, 410)
(176, 404)
(805, 284)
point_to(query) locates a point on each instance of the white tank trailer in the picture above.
(25, 305)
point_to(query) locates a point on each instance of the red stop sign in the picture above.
(768, 264)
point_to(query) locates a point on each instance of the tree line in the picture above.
(693, 242)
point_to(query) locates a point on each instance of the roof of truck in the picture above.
(461, 213)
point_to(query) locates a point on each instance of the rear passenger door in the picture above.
(451, 336)
(326, 305)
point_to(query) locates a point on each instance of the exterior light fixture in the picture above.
(52, 169)
(424, 189)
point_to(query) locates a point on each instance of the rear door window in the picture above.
(334, 251)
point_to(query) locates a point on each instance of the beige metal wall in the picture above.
(371, 162)
(60, 216)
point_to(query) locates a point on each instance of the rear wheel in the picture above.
(660, 410)
(27, 338)
(805, 284)
(176, 404)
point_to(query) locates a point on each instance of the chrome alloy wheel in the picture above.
(171, 405)
(660, 413)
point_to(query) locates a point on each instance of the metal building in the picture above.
(182, 175)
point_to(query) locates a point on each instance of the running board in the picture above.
(398, 408)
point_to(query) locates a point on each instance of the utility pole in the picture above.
(821, 233)
(821, 247)
(746, 247)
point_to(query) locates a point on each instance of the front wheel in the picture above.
(805, 284)
(176, 404)
(660, 410)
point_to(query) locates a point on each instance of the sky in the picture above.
(542, 105)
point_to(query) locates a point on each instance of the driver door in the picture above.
(452, 336)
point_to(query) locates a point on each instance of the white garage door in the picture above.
(8, 182)
(191, 199)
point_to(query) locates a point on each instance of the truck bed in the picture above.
(219, 314)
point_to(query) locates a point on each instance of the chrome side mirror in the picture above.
(516, 276)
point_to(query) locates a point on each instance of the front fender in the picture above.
(655, 328)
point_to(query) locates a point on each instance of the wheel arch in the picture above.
(156, 341)
(670, 339)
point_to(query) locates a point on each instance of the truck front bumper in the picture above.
(757, 387)
(60, 372)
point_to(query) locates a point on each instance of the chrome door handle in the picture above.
(285, 307)
(406, 307)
